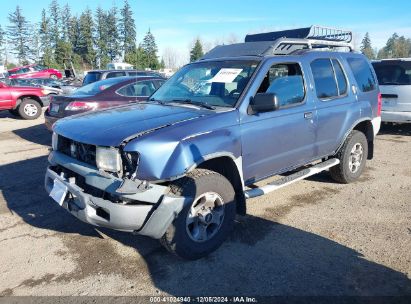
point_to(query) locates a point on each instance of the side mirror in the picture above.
(263, 102)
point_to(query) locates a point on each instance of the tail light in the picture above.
(379, 104)
(81, 105)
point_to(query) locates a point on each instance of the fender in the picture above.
(350, 130)
(170, 153)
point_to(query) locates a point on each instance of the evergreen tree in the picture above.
(35, 44)
(18, 34)
(127, 29)
(149, 48)
(101, 38)
(74, 32)
(65, 22)
(396, 47)
(85, 43)
(366, 47)
(113, 42)
(54, 23)
(45, 41)
(197, 51)
(137, 58)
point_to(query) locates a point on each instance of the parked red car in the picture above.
(34, 71)
(101, 94)
(23, 101)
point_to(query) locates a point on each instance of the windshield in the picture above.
(393, 72)
(215, 83)
(97, 87)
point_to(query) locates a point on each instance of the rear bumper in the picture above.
(401, 117)
(151, 212)
(49, 120)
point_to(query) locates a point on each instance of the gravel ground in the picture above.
(315, 237)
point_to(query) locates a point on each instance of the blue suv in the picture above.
(180, 166)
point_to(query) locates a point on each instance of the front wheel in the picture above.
(54, 77)
(352, 156)
(204, 223)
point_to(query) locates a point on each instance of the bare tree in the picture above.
(170, 57)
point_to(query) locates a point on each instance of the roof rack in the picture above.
(286, 42)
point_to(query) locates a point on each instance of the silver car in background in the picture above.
(394, 77)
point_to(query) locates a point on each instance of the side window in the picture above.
(362, 74)
(340, 76)
(132, 74)
(141, 88)
(115, 74)
(324, 79)
(286, 81)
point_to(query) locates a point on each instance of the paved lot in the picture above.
(315, 237)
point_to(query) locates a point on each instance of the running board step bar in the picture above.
(287, 180)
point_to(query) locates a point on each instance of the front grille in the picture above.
(82, 152)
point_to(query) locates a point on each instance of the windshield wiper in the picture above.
(196, 103)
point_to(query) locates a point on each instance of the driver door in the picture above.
(273, 142)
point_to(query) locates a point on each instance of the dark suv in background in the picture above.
(96, 75)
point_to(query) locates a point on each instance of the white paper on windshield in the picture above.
(226, 75)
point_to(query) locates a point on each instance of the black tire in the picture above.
(178, 238)
(342, 172)
(29, 109)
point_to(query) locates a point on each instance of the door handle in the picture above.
(308, 115)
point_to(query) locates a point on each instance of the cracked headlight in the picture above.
(54, 141)
(108, 159)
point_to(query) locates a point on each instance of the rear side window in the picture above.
(339, 75)
(393, 72)
(324, 79)
(115, 74)
(362, 74)
(141, 88)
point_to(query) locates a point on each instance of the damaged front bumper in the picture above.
(149, 212)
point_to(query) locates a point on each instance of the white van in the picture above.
(119, 66)
(394, 77)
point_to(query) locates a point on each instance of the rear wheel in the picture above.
(352, 156)
(52, 76)
(204, 223)
(29, 109)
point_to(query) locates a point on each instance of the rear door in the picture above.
(394, 78)
(273, 142)
(334, 102)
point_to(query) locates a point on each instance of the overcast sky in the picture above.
(175, 24)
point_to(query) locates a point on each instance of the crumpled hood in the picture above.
(111, 127)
